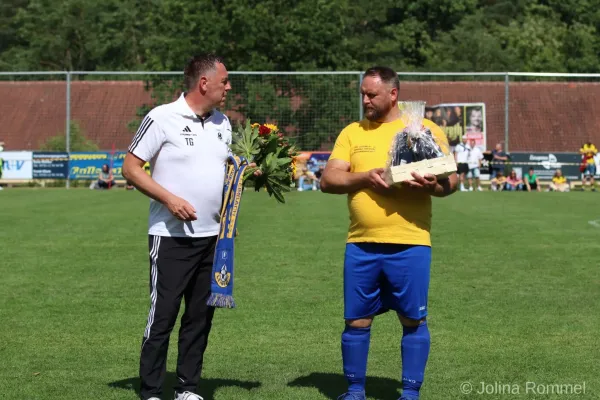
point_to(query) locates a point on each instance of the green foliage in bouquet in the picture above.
(266, 146)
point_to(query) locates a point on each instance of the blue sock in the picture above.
(355, 352)
(415, 351)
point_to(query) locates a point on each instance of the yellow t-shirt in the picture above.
(590, 152)
(559, 180)
(402, 217)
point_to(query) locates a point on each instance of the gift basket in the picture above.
(415, 148)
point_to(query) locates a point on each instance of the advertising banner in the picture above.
(460, 119)
(311, 160)
(87, 165)
(16, 165)
(545, 164)
(49, 165)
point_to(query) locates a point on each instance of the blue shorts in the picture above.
(590, 170)
(379, 277)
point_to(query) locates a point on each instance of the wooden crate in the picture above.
(441, 167)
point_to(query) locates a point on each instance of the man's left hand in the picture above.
(427, 183)
(258, 172)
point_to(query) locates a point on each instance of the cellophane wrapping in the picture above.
(415, 142)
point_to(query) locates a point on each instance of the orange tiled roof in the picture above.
(544, 116)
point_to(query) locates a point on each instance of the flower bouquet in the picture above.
(415, 149)
(266, 146)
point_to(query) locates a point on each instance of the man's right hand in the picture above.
(181, 209)
(375, 182)
(337, 179)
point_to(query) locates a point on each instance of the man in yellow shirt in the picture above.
(588, 151)
(388, 251)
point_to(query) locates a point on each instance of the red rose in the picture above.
(263, 130)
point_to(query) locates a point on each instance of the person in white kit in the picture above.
(186, 144)
(461, 155)
(474, 160)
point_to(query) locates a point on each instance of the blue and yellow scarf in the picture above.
(222, 273)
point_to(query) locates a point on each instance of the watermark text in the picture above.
(534, 388)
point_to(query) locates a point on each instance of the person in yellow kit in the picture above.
(588, 151)
(559, 182)
(388, 250)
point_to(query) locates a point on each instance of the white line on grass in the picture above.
(595, 222)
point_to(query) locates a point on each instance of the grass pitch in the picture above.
(513, 299)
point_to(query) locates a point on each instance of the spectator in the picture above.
(499, 159)
(559, 182)
(461, 155)
(531, 181)
(498, 183)
(588, 151)
(317, 180)
(106, 180)
(513, 182)
(306, 174)
(474, 161)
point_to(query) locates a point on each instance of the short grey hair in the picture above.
(199, 65)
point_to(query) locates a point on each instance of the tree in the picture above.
(473, 45)
(303, 35)
(538, 40)
(75, 35)
(8, 28)
(276, 37)
(582, 46)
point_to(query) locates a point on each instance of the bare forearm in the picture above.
(445, 187)
(342, 182)
(145, 184)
